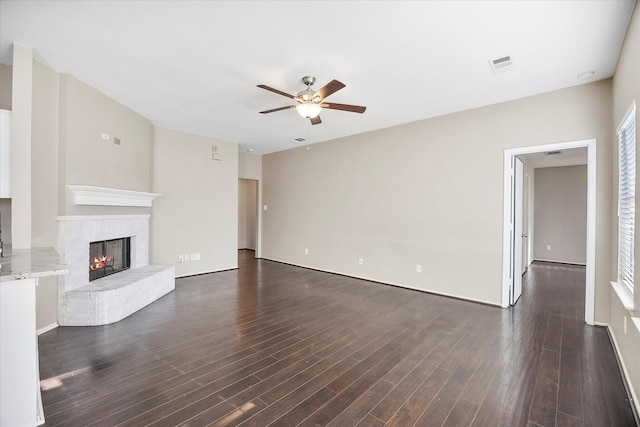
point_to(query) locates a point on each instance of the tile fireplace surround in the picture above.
(112, 298)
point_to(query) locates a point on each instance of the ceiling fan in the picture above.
(309, 103)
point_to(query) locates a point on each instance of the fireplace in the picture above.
(108, 257)
(100, 302)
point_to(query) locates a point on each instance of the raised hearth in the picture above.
(108, 299)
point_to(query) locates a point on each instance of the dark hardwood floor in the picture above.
(273, 344)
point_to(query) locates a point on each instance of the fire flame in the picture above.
(99, 262)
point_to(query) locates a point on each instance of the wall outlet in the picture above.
(418, 268)
(306, 251)
(360, 261)
(197, 256)
(265, 207)
(548, 247)
(193, 257)
(186, 257)
(180, 258)
(105, 137)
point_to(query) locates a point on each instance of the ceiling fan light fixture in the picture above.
(308, 110)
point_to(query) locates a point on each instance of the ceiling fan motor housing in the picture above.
(308, 80)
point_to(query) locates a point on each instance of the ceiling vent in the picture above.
(501, 65)
(552, 153)
(299, 139)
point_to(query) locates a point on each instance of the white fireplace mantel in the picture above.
(103, 196)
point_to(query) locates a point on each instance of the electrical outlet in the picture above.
(105, 137)
(548, 247)
(418, 268)
(180, 258)
(360, 261)
(193, 257)
(197, 256)
(265, 208)
(306, 251)
(186, 257)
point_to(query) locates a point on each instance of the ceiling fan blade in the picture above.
(344, 107)
(279, 92)
(315, 120)
(332, 87)
(277, 109)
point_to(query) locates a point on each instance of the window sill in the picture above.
(625, 296)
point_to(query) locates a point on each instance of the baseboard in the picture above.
(582, 264)
(206, 272)
(635, 404)
(47, 328)
(397, 285)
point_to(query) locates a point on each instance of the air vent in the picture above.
(299, 139)
(552, 153)
(501, 65)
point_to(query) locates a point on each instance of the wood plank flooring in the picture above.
(271, 344)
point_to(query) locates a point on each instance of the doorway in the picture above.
(509, 273)
(247, 214)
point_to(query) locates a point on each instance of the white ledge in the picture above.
(102, 196)
(624, 294)
(100, 217)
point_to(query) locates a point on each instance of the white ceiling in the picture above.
(193, 66)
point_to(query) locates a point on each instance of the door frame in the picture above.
(590, 145)
(517, 219)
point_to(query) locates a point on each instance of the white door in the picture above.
(518, 232)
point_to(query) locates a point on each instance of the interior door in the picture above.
(517, 194)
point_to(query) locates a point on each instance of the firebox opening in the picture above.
(108, 257)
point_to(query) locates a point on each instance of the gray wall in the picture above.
(561, 214)
(5, 220)
(626, 89)
(247, 213)
(85, 159)
(250, 168)
(427, 193)
(198, 209)
(6, 78)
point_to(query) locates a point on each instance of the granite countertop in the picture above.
(30, 263)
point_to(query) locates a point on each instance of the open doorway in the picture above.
(511, 270)
(247, 214)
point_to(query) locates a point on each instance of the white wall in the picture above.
(427, 193)
(198, 209)
(561, 214)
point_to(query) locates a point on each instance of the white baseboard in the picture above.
(559, 262)
(625, 373)
(47, 328)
